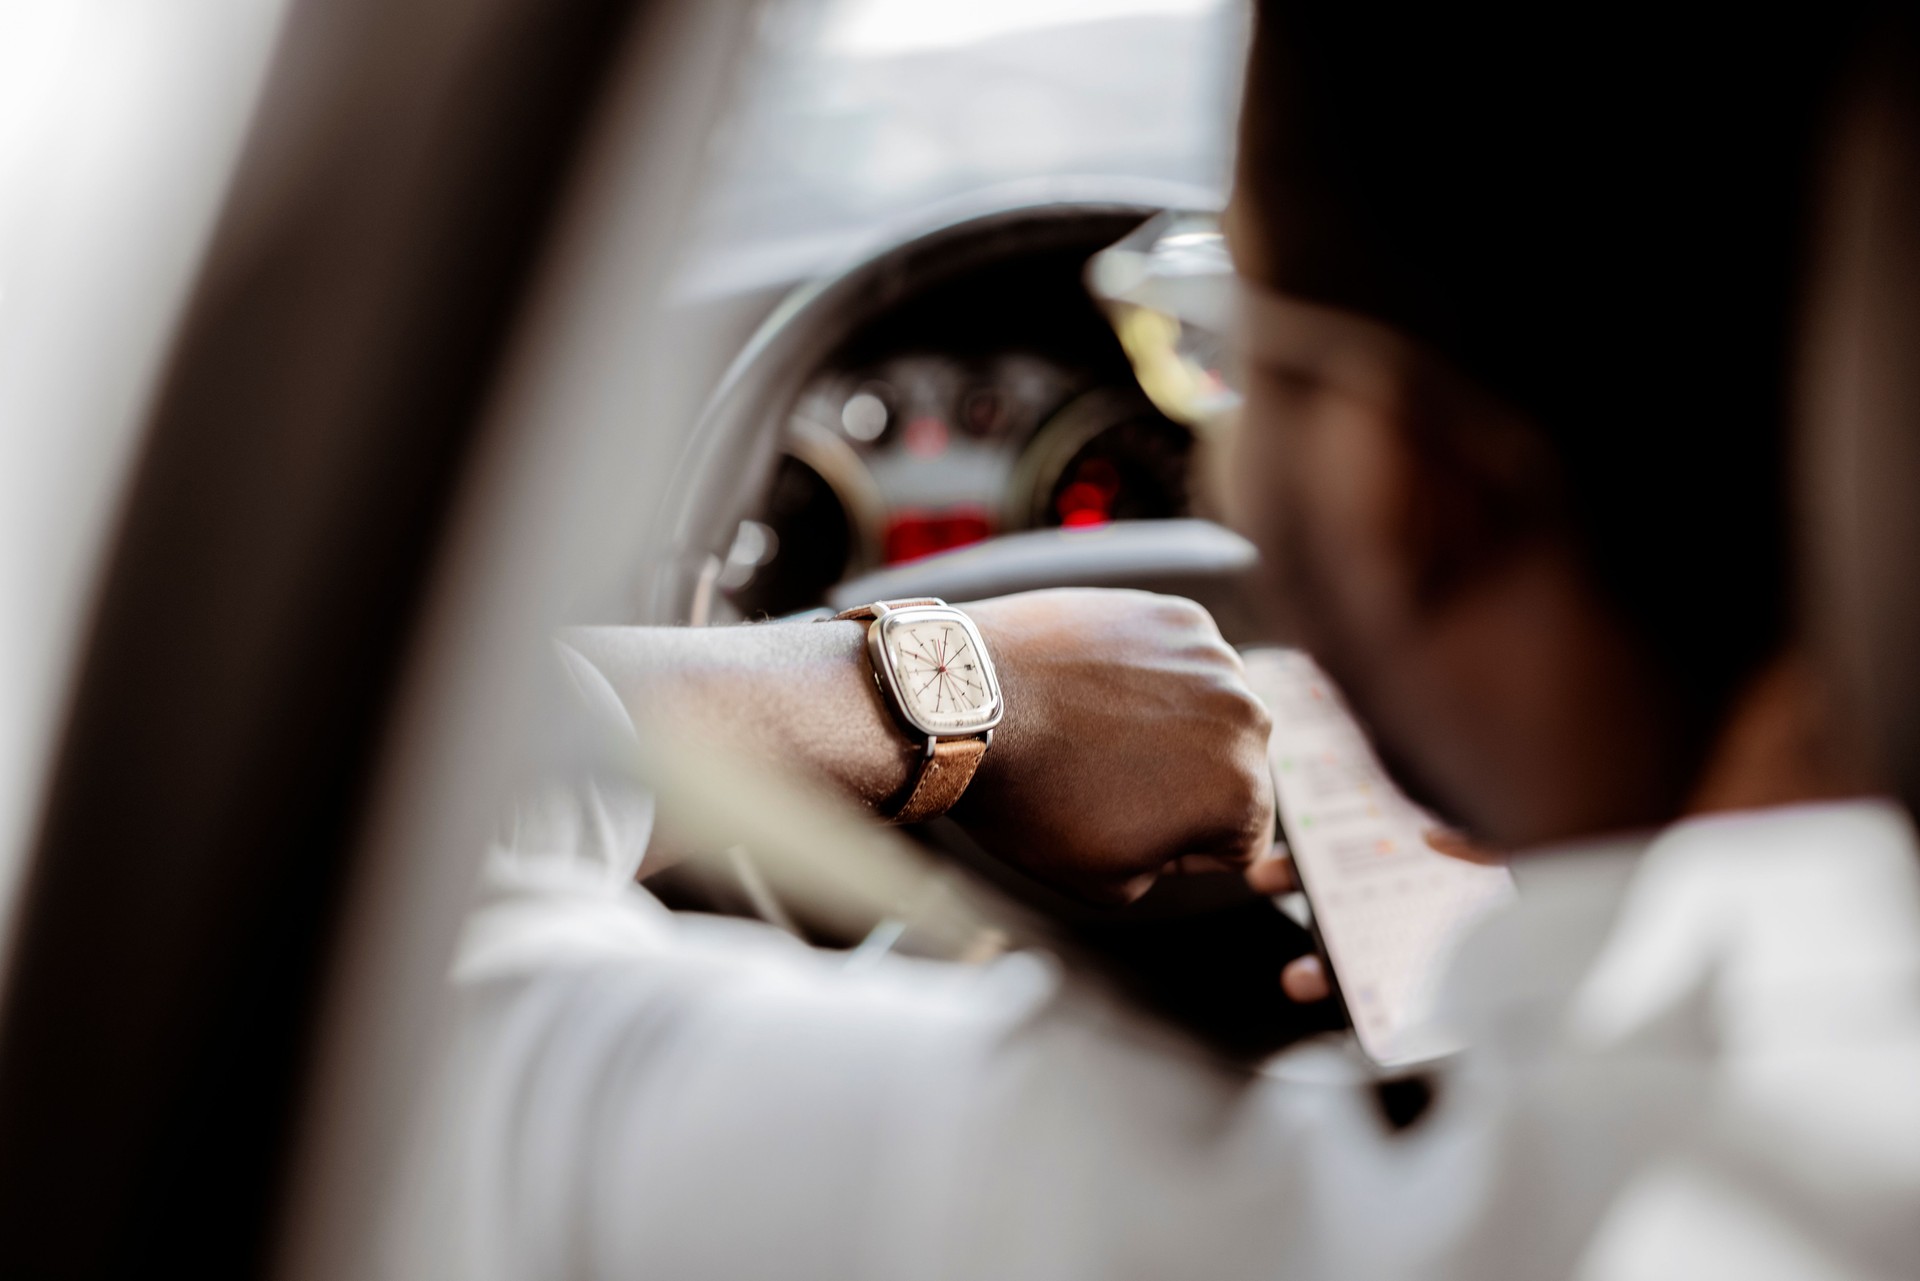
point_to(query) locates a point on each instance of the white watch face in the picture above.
(941, 676)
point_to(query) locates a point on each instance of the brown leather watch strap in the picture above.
(944, 775)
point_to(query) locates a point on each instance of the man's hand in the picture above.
(1305, 978)
(1130, 742)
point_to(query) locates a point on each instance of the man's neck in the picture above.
(1779, 746)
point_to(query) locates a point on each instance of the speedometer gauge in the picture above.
(1107, 456)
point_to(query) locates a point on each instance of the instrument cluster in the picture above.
(895, 458)
(976, 390)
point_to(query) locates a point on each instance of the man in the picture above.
(1514, 450)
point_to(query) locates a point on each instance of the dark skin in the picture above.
(1480, 655)
(1131, 744)
(1512, 690)
(1479, 652)
(1858, 456)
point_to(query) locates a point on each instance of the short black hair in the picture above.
(1599, 218)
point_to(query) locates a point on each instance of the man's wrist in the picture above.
(798, 695)
(936, 677)
(1007, 645)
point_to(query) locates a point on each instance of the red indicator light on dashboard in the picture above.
(925, 437)
(1083, 518)
(911, 535)
(1088, 498)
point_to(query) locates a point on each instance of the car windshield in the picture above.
(866, 114)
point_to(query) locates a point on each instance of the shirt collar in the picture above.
(1515, 972)
(1774, 924)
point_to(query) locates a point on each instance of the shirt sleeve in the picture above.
(712, 1099)
(632, 1091)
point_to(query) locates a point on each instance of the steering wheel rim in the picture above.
(732, 450)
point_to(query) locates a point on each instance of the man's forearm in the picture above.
(800, 694)
(1130, 738)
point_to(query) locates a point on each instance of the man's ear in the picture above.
(1480, 489)
(1407, 522)
(1350, 473)
(1357, 524)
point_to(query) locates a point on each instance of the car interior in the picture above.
(350, 350)
(955, 417)
(449, 255)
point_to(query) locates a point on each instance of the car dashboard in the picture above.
(993, 402)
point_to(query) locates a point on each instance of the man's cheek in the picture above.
(1251, 490)
(1244, 476)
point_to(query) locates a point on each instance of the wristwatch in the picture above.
(933, 671)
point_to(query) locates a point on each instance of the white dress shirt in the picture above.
(1692, 1057)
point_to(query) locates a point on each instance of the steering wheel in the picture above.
(731, 455)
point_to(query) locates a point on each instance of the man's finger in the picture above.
(1305, 980)
(1442, 840)
(1272, 873)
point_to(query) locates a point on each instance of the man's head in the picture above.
(1533, 515)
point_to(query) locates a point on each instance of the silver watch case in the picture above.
(887, 618)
